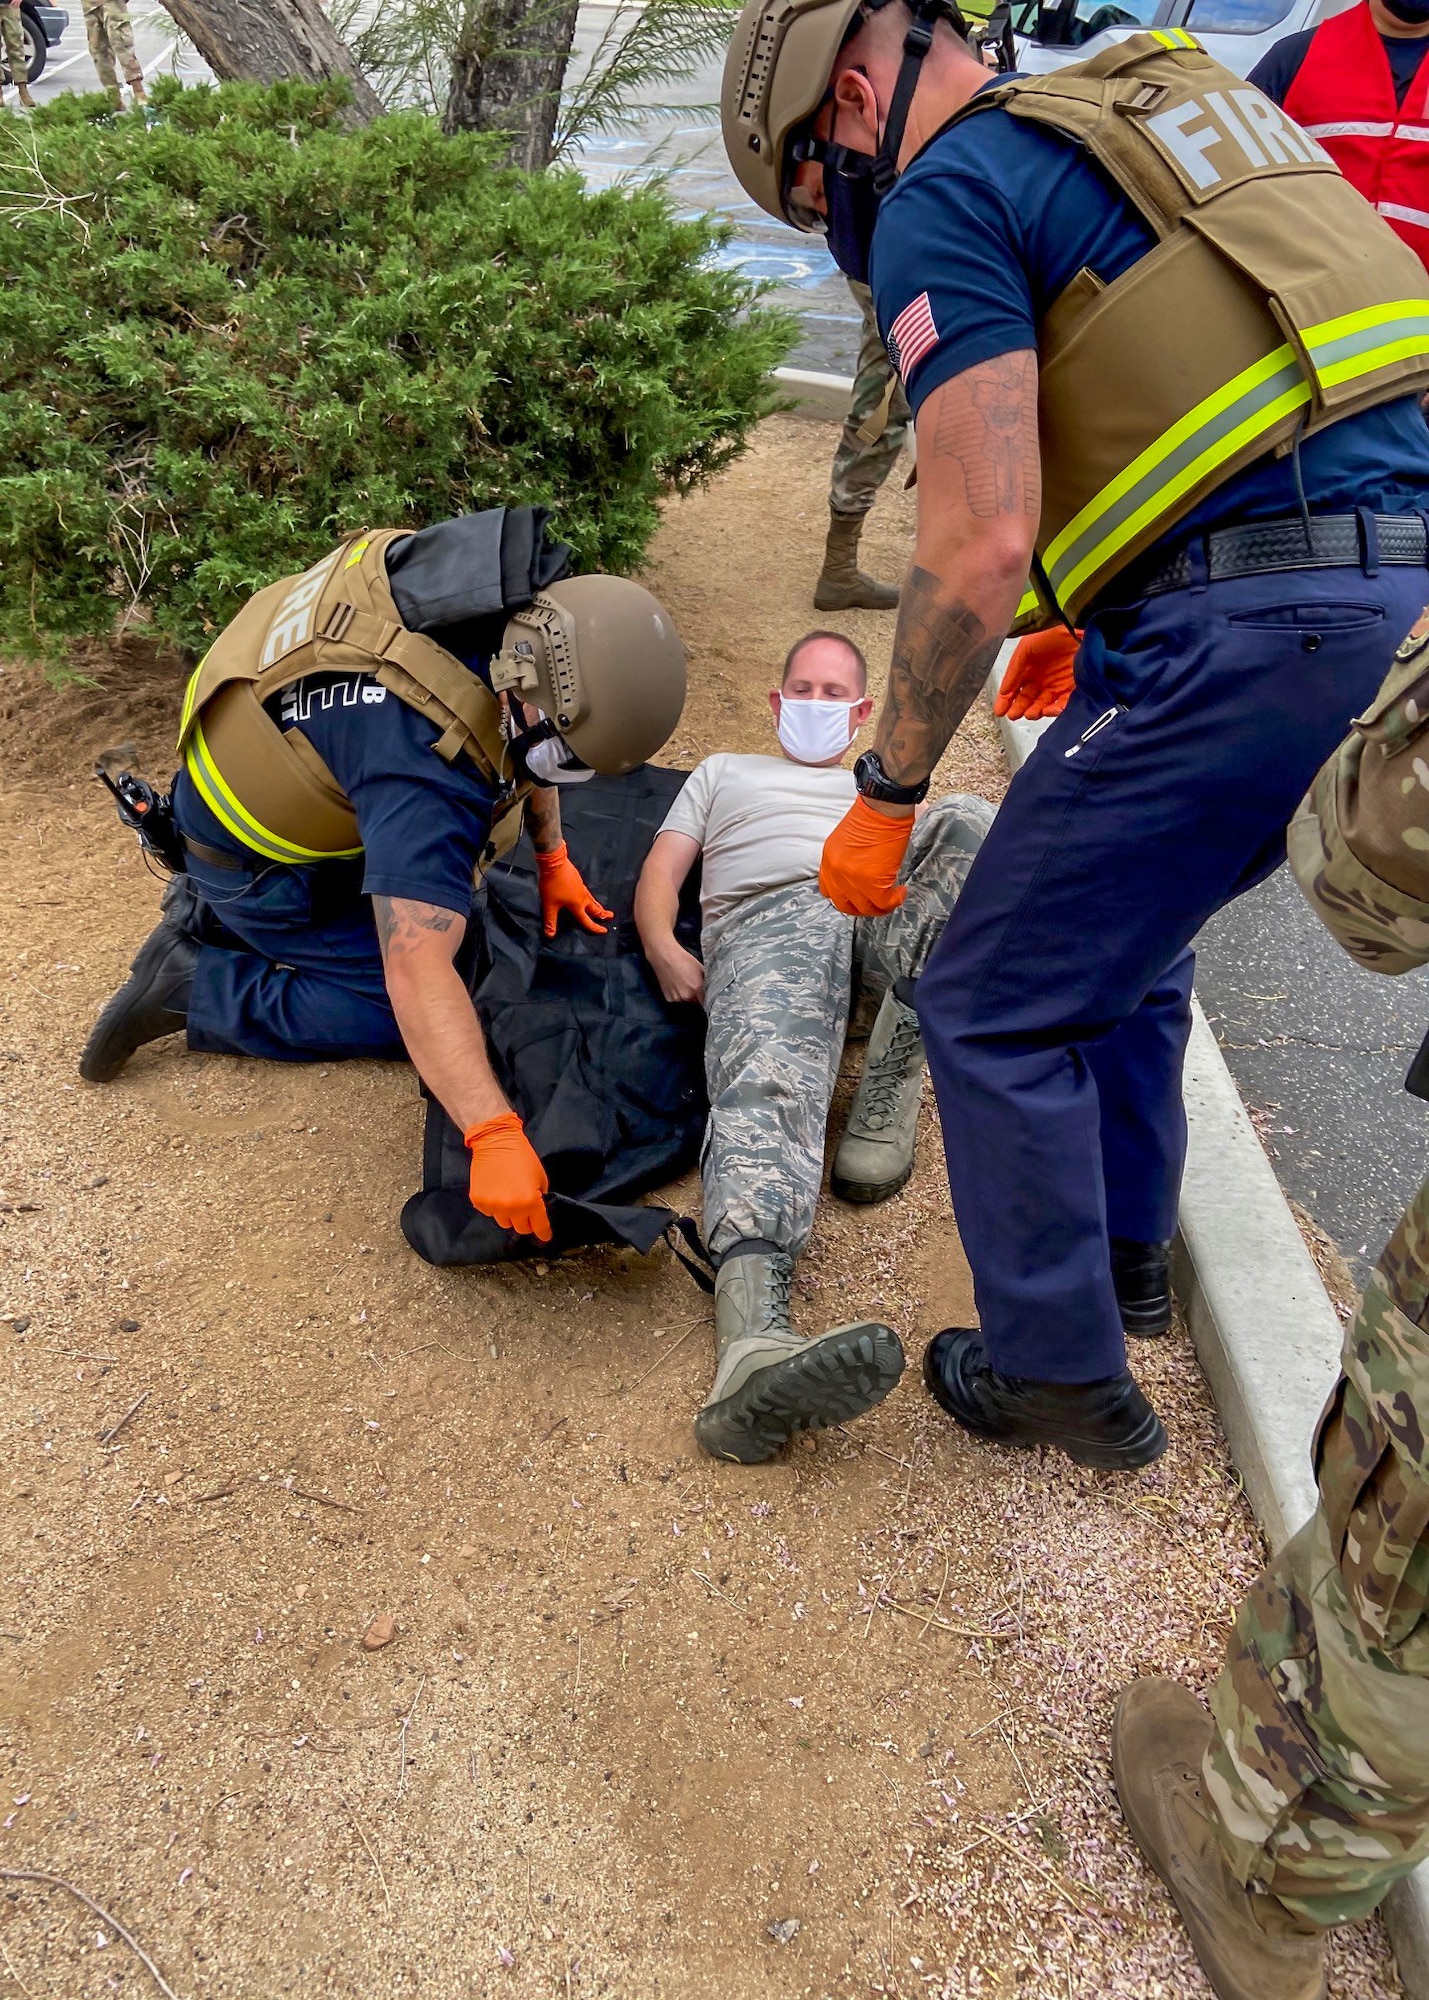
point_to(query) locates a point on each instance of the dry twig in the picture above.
(9, 1967)
(943, 1624)
(59, 1882)
(302, 1493)
(371, 1850)
(704, 1320)
(405, 1726)
(108, 1437)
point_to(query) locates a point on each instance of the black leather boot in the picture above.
(1141, 1273)
(1106, 1424)
(153, 1001)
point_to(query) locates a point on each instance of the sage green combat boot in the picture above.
(769, 1383)
(842, 585)
(875, 1155)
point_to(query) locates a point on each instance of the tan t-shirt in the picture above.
(761, 821)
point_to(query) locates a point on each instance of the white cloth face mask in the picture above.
(813, 732)
(550, 763)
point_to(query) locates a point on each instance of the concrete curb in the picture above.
(1264, 1329)
(816, 395)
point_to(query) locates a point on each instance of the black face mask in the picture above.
(1413, 13)
(852, 217)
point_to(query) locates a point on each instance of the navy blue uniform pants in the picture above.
(1055, 1010)
(297, 976)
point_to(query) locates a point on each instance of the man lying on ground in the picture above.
(780, 964)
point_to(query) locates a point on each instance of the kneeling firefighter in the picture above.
(359, 745)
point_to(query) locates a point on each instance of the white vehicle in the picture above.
(1052, 33)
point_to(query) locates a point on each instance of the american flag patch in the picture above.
(911, 335)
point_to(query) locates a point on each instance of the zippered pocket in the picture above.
(1095, 728)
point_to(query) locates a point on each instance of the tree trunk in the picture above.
(507, 72)
(259, 41)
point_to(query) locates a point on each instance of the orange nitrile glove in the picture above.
(563, 889)
(507, 1178)
(862, 857)
(1039, 680)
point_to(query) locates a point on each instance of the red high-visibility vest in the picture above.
(1343, 95)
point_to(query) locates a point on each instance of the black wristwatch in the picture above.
(874, 783)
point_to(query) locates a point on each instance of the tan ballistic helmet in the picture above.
(775, 76)
(601, 658)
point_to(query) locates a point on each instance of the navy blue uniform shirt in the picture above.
(422, 822)
(994, 217)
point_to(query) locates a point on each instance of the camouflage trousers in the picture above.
(12, 36)
(780, 974)
(111, 41)
(1320, 1766)
(859, 468)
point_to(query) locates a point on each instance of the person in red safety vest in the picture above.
(1359, 83)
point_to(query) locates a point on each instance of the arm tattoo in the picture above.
(942, 654)
(543, 817)
(990, 431)
(402, 922)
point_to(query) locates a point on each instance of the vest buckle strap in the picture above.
(339, 620)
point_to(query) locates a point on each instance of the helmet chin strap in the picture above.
(916, 44)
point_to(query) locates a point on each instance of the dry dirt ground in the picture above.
(649, 1725)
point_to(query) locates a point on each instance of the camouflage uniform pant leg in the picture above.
(777, 980)
(943, 847)
(12, 35)
(1319, 1770)
(859, 468)
(111, 41)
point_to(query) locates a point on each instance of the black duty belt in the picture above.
(1262, 547)
(216, 857)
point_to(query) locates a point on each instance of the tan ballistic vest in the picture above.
(268, 786)
(1274, 300)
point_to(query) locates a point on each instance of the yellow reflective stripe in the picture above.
(1358, 343)
(1200, 441)
(186, 713)
(359, 551)
(1174, 38)
(1029, 603)
(1378, 357)
(229, 810)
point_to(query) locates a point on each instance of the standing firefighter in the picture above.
(359, 745)
(12, 46)
(1309, 1781)
(1163, 359)
(111, 43)
(873, 435)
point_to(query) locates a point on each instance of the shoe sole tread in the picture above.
(830, 1382)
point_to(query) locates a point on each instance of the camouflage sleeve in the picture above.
(1320, 1767)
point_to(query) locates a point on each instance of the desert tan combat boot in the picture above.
(1250, 1946)
(842, 585)
(138, 92)
(875, 1155)
(27, 102)
(769, 1383)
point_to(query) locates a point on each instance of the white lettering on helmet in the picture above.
(1189, 147)
(293, 624)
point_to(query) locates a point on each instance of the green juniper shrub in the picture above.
(231, 334)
